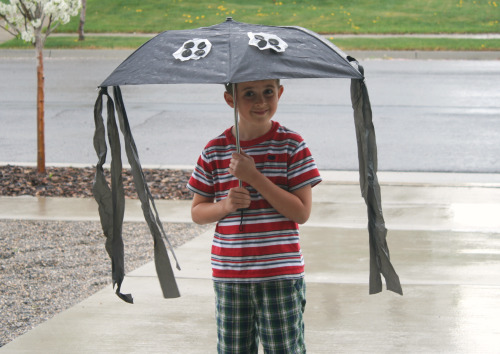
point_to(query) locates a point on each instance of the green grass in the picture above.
(428, 44)
(324, 16)
(96, 42)
(346, 44)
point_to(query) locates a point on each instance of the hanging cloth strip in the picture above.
(370, 190)
(111, 202)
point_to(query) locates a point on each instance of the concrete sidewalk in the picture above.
(444, 238)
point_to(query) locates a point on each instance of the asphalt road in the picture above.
(429, 115)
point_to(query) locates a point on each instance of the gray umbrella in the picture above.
(229, 52)
(232, 52)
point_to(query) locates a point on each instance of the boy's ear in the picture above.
(280, 91)
(229, 99)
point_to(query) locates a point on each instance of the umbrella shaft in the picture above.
(236, 124)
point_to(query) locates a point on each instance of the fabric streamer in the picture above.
(370, 190)
(111, 202)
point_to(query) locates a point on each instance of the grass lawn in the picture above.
(324, 16)
(96, 42)
(431, 44)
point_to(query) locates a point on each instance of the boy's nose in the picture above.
(259, 99)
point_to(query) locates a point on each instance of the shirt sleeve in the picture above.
(201, 180)
(302, 169)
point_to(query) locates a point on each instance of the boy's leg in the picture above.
(235, 316)
(280, 316)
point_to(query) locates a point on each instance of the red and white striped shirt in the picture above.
(260, 244)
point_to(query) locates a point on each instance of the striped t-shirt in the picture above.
(259, 244)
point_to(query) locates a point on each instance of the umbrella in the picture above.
(229, 52)
(229, 55)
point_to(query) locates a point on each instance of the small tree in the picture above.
(33, 21)
(81, 35)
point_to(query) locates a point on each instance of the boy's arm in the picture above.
(205, 211)
(294, 205)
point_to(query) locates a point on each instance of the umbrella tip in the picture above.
(229, 19)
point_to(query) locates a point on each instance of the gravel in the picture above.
(49, 266)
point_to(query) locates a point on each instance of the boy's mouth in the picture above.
(261, 112)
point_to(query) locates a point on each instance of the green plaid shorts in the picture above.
(272, 311)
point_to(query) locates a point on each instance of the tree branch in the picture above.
(50, 30)
(25, 11)
(17, 31)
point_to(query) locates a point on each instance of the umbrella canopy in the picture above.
(230, 52)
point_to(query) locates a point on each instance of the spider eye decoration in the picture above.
(193, 49)
(265, 41)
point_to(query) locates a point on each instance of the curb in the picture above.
(122, 54)
(451, 179)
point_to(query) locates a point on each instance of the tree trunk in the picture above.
(81, 35)
(40, 105)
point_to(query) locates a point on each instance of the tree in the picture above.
(33, 21)
(81, 35)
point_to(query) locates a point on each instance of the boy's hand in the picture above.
(242, 166)
(237, 198)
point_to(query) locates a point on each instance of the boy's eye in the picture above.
(268, 92)
(249, 93)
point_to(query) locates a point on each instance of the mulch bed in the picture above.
(77, 182)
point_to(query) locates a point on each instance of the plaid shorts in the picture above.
(272, 311)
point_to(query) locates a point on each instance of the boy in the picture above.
(258, 268)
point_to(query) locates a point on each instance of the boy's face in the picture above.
(257, 100)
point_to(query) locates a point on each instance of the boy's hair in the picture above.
(229, 87)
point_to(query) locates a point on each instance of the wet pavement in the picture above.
(444, 238)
